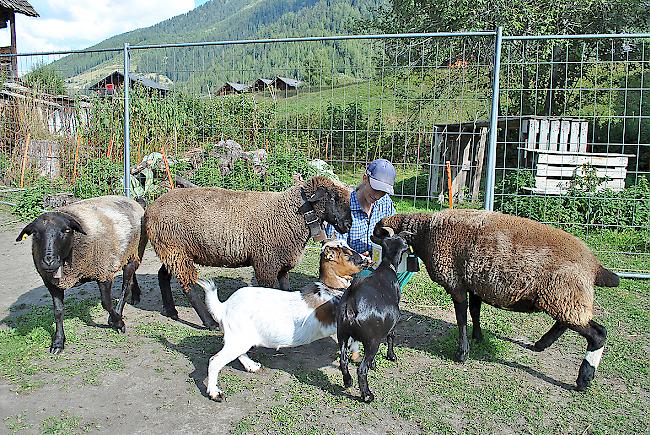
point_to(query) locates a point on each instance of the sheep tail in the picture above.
(212, 298)
(606, 278)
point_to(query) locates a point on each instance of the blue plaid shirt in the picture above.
(362, 225)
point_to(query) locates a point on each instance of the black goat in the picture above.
(369, 311)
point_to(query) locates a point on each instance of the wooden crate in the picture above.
(555, 134)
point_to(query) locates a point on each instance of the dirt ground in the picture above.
(151, 380)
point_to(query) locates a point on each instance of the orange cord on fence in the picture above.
(24, 163)
(166, 162)
(451, 194)
(110, 148)
(76, 159)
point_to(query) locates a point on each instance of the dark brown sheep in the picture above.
(512, 263)
(226, 228)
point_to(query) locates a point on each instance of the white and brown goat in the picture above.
(266, 317)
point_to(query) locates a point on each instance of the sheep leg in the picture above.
(135, 291)
(114, 319)
(249, 364)
(390, 354)
(596, 335)
(230, 352)
(550, 337)
(128, 274)
(283, 279)
(265, 278)
(201, 309)
(475, 312)
(370, 350)
(343, 358)
(58, 341)
(461, 319)
(164, 281)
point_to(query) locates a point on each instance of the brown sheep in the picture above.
(512, 263)
(226, 228)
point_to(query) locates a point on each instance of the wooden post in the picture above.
(24, 163)
(166, 162)
(76, 159)
(479, 164)
(14, 50)
(451, 193)
(110, 148)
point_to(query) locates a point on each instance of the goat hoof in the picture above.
(478, 336)
(391, 357)
(171, 314)
(218, 396)
(367, 398)
(372, 365)
(212, 326)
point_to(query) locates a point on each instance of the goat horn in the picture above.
(390, 231)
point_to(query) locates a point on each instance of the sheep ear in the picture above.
(27, 231)
(76, 226)
(320, 193)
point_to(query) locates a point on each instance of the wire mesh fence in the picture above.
(574, 141)
(572, 131)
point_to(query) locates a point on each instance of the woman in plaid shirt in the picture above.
(369, 203)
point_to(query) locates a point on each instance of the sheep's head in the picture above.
(52, 236)
(331, 201)
(388, 226)
(344, 261)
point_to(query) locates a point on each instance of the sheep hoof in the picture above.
(212, 326)
(367, 398)
(461, 356)
(347, 381)
(119, 325)
(56, 348)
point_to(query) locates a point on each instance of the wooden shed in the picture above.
(8, 11)
(262, 84)
(233, 88)
(109, 84)
(286, 84)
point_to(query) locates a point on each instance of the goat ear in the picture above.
(76, 226)
(329, 254)
(320, 193)
(27, 231)
(376, 240)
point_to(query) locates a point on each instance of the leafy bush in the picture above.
(581, 205)
(30, 204)
(99, 177)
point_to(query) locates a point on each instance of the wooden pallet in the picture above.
(554, 170)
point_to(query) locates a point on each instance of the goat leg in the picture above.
(343, 359)
(370, 351)
(390, 354)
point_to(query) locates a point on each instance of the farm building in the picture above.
(115, 80)
(262, 84)
(286, 84)
(233, 88)
(8, 11)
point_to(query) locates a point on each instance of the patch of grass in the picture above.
(17, 423)
(62, 424)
